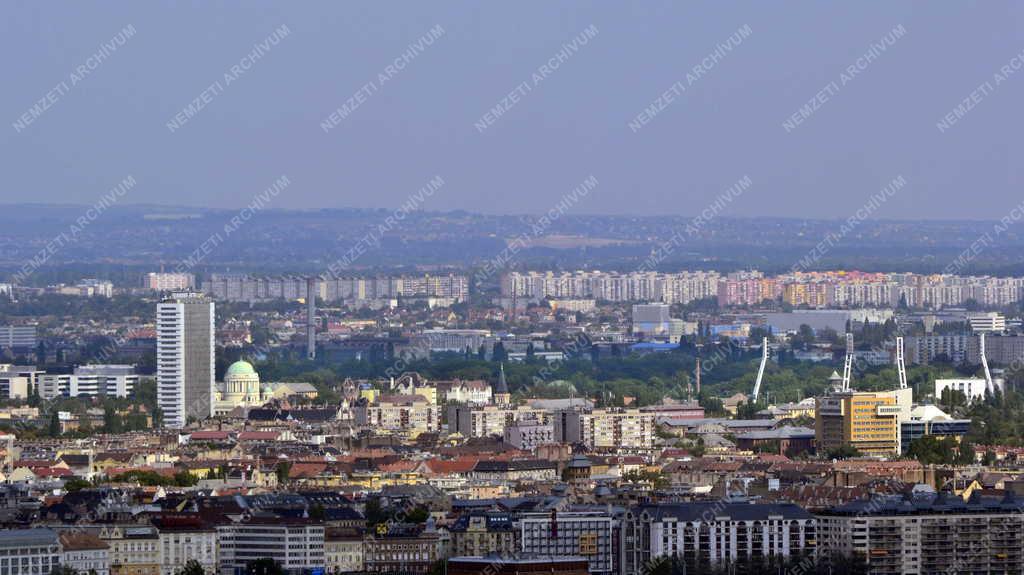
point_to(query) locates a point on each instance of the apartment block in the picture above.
(706, 534)
(940, 534)
(611, 428)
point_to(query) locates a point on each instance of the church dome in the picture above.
(241, 368)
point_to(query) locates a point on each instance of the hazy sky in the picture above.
(572, 123)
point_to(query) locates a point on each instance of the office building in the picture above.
(185, 358)
(940, 534)
(90, 381)
(18, 381)
(296, 544)
(18, 336)
(867, 421)
(991, 322)
(930, 420)
(651, 320)
(595, 535)
(29, 551)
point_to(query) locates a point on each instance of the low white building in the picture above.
(972, 387)
(85, 553)
(186, 538)
(344, 554)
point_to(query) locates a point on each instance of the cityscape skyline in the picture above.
(472, 288)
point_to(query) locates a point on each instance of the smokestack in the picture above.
(698, 377)
(311, 318)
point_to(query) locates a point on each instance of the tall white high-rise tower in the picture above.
(185, 358)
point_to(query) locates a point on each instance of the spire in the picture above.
(502, 385)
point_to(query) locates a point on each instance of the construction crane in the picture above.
(989, 385)
(901, 367)
(848, 362)
(760, 370)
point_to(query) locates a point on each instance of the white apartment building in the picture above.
(680, 287)
(606, 428)
(184, 539)
(185, 358)
(410, 413)
(485, 421)
(343, 554)
(85, 553)
(716, 532)
(169, 281)
(527, 436)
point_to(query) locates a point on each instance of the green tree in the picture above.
(283, 471)
(498, 354)
(191, 567)
(965, 454)
(54, 427)
(76, 484)
(265, 566)
(111, 420)
(843, 452)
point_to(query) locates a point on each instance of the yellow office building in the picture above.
(868, 421)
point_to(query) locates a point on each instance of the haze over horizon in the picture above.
(578, 120)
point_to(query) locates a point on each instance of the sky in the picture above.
(563, 119)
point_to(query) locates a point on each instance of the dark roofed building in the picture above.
(695, 532)
(929, 534)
